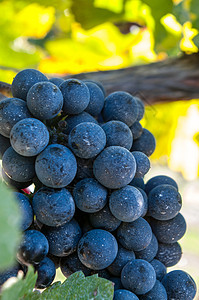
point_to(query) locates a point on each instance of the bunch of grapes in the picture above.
(90, 210)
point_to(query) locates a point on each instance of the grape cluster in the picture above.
(87, 156)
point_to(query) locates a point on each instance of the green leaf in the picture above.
(194, 9)
(93, 287)
(196, 40)
(159, 10)
(22, 287)
(181, 13)
(89, 15)
(10, 233)
(77, 286)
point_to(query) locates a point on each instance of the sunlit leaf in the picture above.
(187, 44)
(115, 6)
(139, 12)
(171, 24)
(35, 20)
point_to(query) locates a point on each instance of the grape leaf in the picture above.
(77, 286)
(93, 287)
(90, 16)
(158, 11)
(21, 288)
(181, 13)
(10, 233)
(194, 9)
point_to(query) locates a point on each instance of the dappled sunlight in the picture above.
(187, 44)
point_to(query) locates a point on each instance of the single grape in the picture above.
(33, 248)
(114, 167)
(76, 96)
(169, 254)
(126, 204)
(134, 235)
(118, 134)
(46, 273)
(18, 167)
(169, 231)
(24, 80)
(89, 195)
(97, 249)
(138, 276)
(179, 285)
(56, 166)
(63, 239)
(53, 207)
(145, 143)
(164, 202)
(29, 137)
(120, 106)
(44, 100)
(87, 140)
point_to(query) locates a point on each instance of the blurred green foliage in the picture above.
(10, 233)
(73, 36)
(66, 37)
